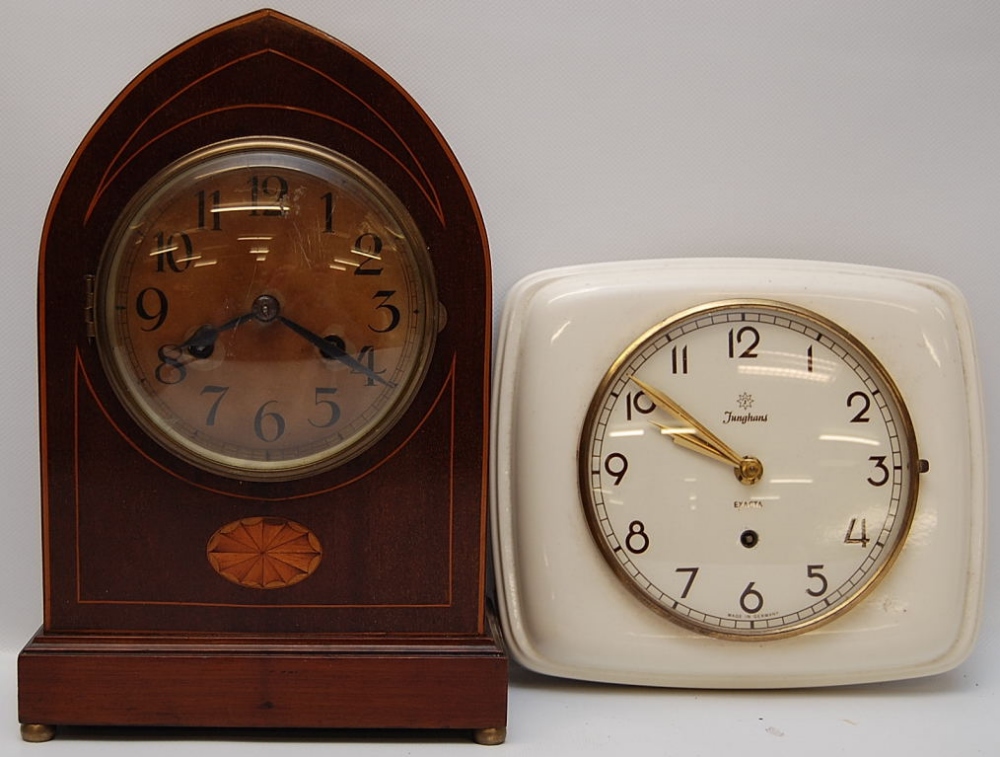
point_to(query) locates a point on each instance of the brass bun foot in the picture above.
(489, 736)
(37, 733)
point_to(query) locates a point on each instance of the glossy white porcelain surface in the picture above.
(563, 610)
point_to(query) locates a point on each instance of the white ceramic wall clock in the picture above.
(738, 473)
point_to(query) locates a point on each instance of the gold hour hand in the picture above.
(698, 438)
(687, 438)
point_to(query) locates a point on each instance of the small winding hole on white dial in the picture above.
(749, 538)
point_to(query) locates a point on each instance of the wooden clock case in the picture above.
(139, 630)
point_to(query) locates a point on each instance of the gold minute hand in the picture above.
(749, 470)
(713, 442)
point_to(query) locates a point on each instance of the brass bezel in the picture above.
(913, 466)
(116, 367)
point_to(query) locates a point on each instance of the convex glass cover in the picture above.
(748, 469)
(265, 308)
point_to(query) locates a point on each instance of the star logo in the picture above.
(745, 401)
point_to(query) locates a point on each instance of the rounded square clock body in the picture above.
(737, 474)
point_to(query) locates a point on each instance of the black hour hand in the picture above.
(201, 343)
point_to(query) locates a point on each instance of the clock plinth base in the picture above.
(452, 682)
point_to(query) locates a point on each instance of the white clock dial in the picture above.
(748, 469)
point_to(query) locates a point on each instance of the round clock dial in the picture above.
(265, 309)
(748, 469)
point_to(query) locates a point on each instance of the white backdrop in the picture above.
(859, 131)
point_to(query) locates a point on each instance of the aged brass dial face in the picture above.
(748, 469)
(266, 309)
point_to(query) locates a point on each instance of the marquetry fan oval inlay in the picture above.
(264, 553)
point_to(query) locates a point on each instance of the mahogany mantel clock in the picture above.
(264, 321)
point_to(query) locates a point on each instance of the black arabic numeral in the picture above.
(166, 247)
(736, 338)
(880, 466)
(679, 360)
(151, 305)
(204, 211)
(616, 464)
(637, 540)
(369, 246)
(862, 536)
(693, 573)
(391, 309)
(269, 194)
(367, 358)
(638, 403)
(813, 571)
(170, 370)
(268, 426)
(328, 206)
(862, 415)
(751, 600)
(213, 411)
(322, 393)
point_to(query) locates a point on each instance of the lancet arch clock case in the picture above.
(748, 473)
(264, 319)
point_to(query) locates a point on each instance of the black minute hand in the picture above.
(330, 350)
